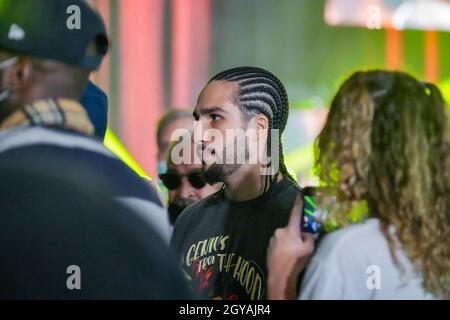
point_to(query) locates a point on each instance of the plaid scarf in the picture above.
(60, 113)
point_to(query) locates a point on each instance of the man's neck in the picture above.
(246, 183)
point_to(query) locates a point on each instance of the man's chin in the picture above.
(219, 172)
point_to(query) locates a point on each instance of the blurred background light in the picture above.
(164, 51)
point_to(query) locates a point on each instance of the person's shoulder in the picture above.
(285, 190)
(37, 136)
(75, 156)
(290, 184)
(350, 240)
(352, 235)
(341, 254)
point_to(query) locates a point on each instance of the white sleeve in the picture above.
(321, 281)
(338, 269)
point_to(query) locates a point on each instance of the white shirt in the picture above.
(355, 263)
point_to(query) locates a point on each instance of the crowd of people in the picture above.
(231, 222)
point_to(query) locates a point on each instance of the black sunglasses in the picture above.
(172, 180)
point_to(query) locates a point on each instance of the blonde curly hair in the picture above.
(386, 144)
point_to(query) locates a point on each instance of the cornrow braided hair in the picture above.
(259, 91)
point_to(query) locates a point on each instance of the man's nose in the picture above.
(185, 190)
(199, 133)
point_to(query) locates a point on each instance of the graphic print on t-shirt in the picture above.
(209, 260)
(221, 245)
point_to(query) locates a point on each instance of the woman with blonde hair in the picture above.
(385, 152)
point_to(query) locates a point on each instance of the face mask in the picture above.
(162, 167)
(3, 65)
(175, 209)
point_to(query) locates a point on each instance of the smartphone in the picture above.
(317, 205)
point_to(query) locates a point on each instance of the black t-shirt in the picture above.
(221, 245)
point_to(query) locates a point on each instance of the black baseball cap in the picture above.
(62, 30)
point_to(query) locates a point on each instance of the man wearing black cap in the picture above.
(222, 240)
(45, 62)
(44, 68)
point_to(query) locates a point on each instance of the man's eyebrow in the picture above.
(209, 110)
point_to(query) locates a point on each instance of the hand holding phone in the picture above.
(317, 205)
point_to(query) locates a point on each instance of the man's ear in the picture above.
(261, 123)
(19, 75)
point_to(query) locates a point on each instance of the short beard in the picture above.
(219, 172)
(176, 207)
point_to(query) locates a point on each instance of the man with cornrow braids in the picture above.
(221, 241)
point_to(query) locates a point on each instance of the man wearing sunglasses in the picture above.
(186, 184)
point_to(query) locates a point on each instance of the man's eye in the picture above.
(215, 117)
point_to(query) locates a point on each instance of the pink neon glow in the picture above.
(140, 34)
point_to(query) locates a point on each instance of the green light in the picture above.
(445, 89)
(300, 159)
(114, 144)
